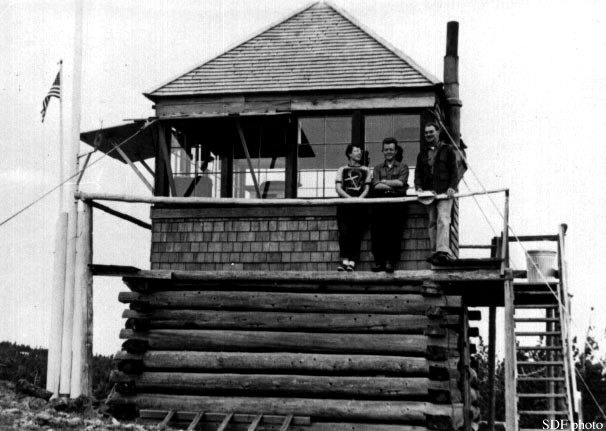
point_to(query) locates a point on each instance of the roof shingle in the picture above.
(318, 48)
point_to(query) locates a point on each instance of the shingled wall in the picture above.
(267, 238)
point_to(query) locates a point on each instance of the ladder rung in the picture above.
(541, 363)
(537, 333)
(541, 379)
(541, 395)
(535, 306)
(542, 412)
(536, 319)
(525, 348)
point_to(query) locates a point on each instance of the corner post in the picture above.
(81, 381)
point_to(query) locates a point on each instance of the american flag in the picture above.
(55, 91)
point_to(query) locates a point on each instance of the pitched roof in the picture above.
(317, 48)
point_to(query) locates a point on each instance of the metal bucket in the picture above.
(544, 261)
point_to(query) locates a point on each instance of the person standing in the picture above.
(352, 181)
(389, 179)
(436, 171)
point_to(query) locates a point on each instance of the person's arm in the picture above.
(376, 177)
(339, 184)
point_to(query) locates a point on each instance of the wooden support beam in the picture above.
(304, 342)
(291, 182)
(133, 167)
(296, 362)
(169, 283)
(160, 174)
(82, 346)
(244, 202)
(164, 138)
(248, 159)
(225, 422)
(395, 411)
(118, 214)
(255, 423)
(146, 166)
(492, 338)
(511, 414)
(325, 322)
(286, 423)
(277, 384)
(195, 421)
(83, 168)
(166, 419)
(296, 302)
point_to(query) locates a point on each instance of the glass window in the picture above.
(196, 170)
(267, 149)
(405, 128)
(321, 151)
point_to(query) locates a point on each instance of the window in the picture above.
(267, 149)
(321, 151)
(196, 171)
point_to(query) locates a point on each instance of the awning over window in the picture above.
(139, 147)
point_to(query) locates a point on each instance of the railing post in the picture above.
(511, 399)
(511, 407)
(566, 322)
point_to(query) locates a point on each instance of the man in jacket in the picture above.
(436, 171)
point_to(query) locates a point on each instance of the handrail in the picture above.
(264, 202)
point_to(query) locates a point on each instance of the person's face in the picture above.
(356, 154)
(389, 151)
(431, 135)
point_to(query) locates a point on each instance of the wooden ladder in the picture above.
(171, 414)
(544, 378)
(543, 390)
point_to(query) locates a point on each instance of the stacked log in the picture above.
(365, 354)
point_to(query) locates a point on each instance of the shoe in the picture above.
(378, 267)
(342, 267)
(389, 267)
(432, 259)
(443, 258)
(351, 267)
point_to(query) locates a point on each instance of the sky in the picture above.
(531, 80)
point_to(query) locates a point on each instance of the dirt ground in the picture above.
(21, 412)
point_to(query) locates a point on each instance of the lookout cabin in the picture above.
(241, 321)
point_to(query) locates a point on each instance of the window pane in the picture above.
(407, 127)
(375, 153)
(378, 127)
(338, 130)
(322, 142)
(312, 130)
(411, 150)
(335, 156)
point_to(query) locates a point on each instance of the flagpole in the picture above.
(61, 161)
(53, 370)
